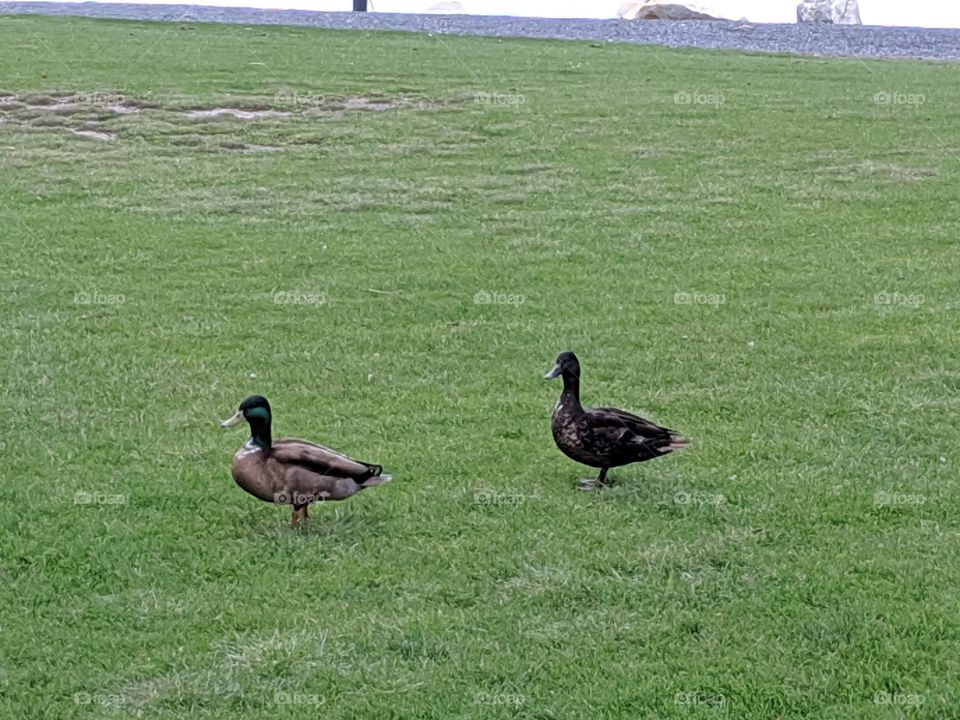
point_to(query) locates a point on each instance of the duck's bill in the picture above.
(553, 373)
(231, 421)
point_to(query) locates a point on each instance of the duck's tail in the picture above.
(675, 443)
(378, 478)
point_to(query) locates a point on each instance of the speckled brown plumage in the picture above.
(603, 437)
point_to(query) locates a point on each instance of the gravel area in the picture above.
(822, 40)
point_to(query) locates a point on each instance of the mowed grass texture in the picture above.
(392, 242)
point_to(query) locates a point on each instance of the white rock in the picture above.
(446, 7)
(661, 10)
(836, 12)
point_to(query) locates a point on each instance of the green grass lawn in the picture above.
(758, 251)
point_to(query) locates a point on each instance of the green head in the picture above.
(256, 411)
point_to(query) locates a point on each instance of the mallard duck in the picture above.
(603, 437)
(294, 472)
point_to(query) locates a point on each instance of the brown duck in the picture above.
(603, 437)
(294, 472)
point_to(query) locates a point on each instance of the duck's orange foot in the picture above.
(299, 514)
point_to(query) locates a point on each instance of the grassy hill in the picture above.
(391, 237)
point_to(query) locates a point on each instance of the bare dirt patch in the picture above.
(240, 114)
(248, 147)
(335, 106)
(93, 134)
(106, 115)
(78, 114)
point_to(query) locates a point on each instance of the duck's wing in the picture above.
(322, 460)
(630, 428)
